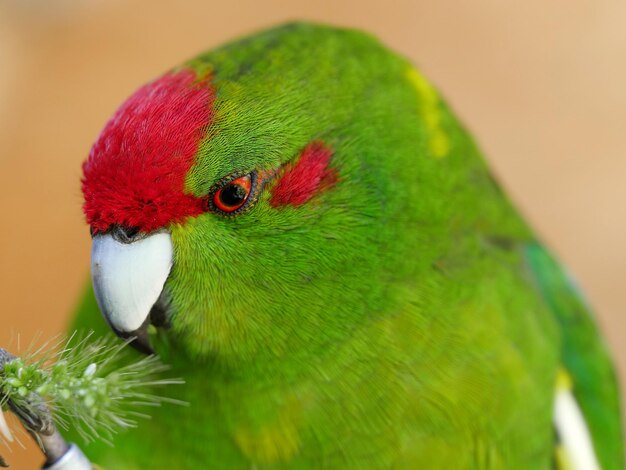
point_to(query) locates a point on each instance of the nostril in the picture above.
(130, 232)
(125, 234)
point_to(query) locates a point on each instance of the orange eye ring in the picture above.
(233, 195)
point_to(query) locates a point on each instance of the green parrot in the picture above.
(299, 225)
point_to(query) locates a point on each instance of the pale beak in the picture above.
(128, 272)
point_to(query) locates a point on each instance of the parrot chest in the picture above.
(376, 404)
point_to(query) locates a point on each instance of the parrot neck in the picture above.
(297, 360)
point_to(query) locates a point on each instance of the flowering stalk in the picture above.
(90, 385)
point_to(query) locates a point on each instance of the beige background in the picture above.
(540, 83)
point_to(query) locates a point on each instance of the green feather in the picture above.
(584, 356)
(389, 322)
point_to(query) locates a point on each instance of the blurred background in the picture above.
(540, 84)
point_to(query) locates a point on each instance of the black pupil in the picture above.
(233, 195)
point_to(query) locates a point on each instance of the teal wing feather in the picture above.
(585, 356)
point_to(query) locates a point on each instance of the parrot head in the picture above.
(252, 202)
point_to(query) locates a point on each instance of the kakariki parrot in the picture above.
(297, 223)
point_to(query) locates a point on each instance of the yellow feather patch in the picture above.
(561, 459)
(438, 142)
(275, 442)
(563, 380)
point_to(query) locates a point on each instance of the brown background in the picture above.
(541, 84)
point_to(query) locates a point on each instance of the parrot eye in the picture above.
(232, 196)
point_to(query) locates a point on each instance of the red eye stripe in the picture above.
(233, 195)
(299, 181)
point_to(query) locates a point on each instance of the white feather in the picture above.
(573, 432)
(4, 427)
